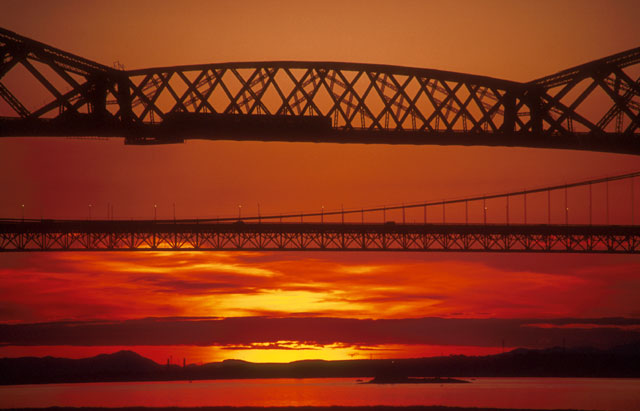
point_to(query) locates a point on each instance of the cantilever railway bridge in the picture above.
(594, 106)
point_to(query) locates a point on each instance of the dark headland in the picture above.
(381, 379)
(414, 380)
(618, 362)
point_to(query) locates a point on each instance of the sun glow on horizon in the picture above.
(277, 352)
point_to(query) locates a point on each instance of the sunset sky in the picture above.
(287, 306)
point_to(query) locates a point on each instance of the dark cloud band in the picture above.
(601, 332)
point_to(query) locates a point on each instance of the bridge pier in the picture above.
(124, 100)
(97, 98)
(534, 101)
(509, 121)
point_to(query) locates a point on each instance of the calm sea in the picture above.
(580, 393)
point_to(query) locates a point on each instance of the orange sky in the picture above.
(520, 41)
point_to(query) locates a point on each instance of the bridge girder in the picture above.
(191, 236)
(595, 106)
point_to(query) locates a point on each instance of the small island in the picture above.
(414, 380)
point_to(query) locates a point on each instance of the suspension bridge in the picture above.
(49, 92)
(580, 222)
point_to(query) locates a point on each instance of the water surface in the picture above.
(576, 393)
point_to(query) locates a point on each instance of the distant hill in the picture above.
(620, 362)
(123, 365)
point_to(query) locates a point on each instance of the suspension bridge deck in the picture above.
(193, 235)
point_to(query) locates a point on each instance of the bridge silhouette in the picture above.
(336, 230)
(594, 106)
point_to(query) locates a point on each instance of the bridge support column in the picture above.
(534, 101)
(509, 122)
(98, 98)
(124, 100)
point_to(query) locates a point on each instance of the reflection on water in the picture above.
(581, 393)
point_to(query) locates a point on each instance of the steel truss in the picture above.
(183, 236)
(595, 106)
